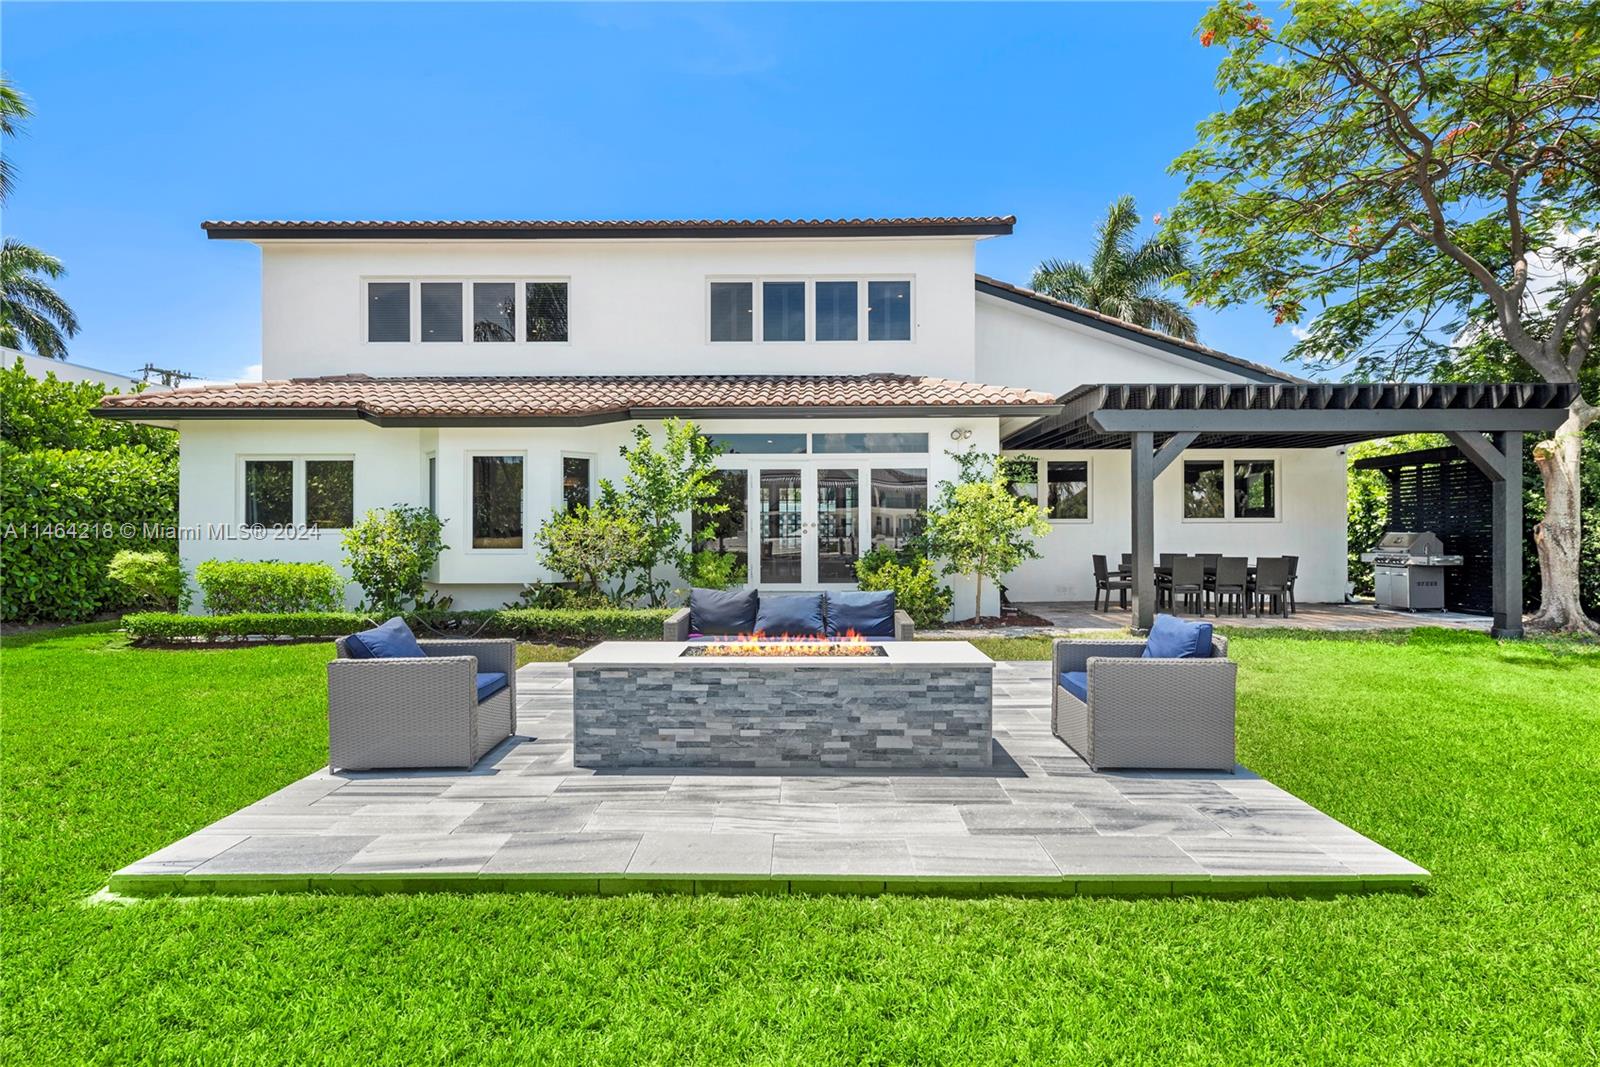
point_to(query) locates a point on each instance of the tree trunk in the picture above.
(1558, 536)
(977, 600)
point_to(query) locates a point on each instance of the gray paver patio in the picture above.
(1039, 819)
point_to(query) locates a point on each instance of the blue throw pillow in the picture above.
(868, 614)
(490, 683)
(1076, 683)
(392, 640)
(790, 615)
(722, 611)
(1173, 638)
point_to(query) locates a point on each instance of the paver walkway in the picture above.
(1038, 821)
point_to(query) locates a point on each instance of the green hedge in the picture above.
(64, 514)
(234, 587)
(528, 624)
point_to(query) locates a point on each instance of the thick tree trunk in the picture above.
(1558, 537)
(977, 600)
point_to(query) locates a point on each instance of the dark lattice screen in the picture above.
(1439, 490)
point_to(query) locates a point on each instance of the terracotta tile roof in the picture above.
(996, 287)
(621, 228)
(592, 398)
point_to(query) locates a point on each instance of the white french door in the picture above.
(807, 526)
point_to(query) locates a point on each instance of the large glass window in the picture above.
(494, 311)
(783, 311)
(724, 528)
(1203, 494)
(780, 527)
(899, 499)
(838, 525)
(732, 311)
(496, 501)
(1255, 489)
(836, 311)
(269, 492)
(1067, 488)
(547, 311)
(388, 311)
(888, 311)
(441, 311)
(575, 482)
(330, 493)
(869, 442)
(760, 444)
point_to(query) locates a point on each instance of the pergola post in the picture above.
(1142, 469)
(1506, 498)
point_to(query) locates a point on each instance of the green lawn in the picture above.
(1479, 761)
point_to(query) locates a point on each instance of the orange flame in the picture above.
(848, 643)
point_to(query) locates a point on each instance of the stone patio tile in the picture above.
(1059, 790)
(305, 792)
(250, 821)
(619, 816)
(1159, 819)
(417, 821)
(689, 853)
(563, 854)
(1126, 857)
(1259, 857)
(1182, 790)
(502, 787)
(529, 816)
(944, 855)
(619, 786)
(951, 789)
(843, 790)
(273, 854)
(774, 818)
(841, 856)
(900, 819)
(1024, 819)
(410, 853)
(1368, 857)
(718, 788)
(185, 854)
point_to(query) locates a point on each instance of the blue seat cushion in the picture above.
(868, 614)
(1076, 683)
(490, 683)
(392, 640)
(790, 615)
(722, 611)
(1174, 638)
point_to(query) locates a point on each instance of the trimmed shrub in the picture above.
(232, 587)
(570, 626)
(64, 514)
(590, 546)
(391, 552)
(155, 579)
(715, 570)
(917, 591)
(581, 625)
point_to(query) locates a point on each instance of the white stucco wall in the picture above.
(1311, 524)
(636, 307)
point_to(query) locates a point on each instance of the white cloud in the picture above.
(1300, 332)
(251, 373)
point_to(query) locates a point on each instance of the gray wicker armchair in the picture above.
(1151, 714)
(395, 713)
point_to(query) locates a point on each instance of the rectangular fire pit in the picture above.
(905, 705)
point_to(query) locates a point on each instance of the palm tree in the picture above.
(1123, 279)
(13, 109)
(29, 309)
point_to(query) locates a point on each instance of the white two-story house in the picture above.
(493, 370)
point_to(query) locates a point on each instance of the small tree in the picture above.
(978, 526)
(155, 578)
(589, 545)
(390, 552)
(661, 487)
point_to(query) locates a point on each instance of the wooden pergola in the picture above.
(1156, 423)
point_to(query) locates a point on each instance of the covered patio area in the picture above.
(1155, 424)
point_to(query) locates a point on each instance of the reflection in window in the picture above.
(496, 501)
(838, 525)
(1021, 477)
(575, 482)
(727, 530)
(494, 311)
(547, 311)
(888, 311)
(1254, 489)
(330, 493)
(869, 442)
(760, 444)
(1203, 496)
(732, 311)
(836, 311)
(1067, 489)
(388, 311)
(779, 517)
(783, 311)
(899, 499)
(269, 492)
(441, 311)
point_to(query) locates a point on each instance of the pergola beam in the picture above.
(1171, 450)
(1142, 470)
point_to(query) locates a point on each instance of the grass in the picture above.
(1481, 761)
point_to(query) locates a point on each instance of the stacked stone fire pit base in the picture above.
(923, 705)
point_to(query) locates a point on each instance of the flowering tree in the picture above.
(978, 526)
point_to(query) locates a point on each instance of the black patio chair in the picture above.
(1105, 583)
(1271, 585)
(1188, 578)
(1231, 580)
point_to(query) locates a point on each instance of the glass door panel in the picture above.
(779, 527)
(838, 525)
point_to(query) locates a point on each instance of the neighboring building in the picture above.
(492, 370)
(38, 366)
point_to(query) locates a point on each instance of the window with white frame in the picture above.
(575, 482)
(1066, 489)
(282, 491)
(1223, 489)
(1255, 494)
(497, 502)
(822, 309)
(476, 312)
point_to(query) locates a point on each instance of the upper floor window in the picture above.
(481, 312)
(810, 310)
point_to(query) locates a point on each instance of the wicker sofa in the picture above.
(408, 712)
(1151, 714)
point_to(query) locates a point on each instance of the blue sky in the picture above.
(150, 118)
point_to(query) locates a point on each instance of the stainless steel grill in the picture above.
(1408, 571)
